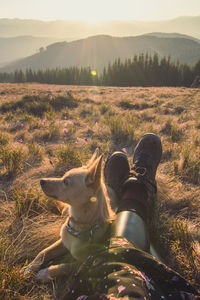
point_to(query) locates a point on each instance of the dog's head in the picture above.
(78, 185)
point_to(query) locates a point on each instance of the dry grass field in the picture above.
(47, 129)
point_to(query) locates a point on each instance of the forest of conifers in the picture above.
(142, 70)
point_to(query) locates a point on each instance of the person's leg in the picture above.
(116, 171)
(128, 223)
(137, 191)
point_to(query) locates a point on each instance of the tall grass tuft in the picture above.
(12, 284)
(35, 152)
(28, 202)
(4, 139)
(182, 237)
(52, 133)
(104, 108)
(189, 164)
(122, 133)
(182, 247)
(68, 157)
(12, 159)
(172, 130)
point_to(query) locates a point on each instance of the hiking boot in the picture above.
(116, 170)
(141, 184)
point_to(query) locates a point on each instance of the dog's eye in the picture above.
(66, 181)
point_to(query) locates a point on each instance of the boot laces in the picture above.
(136, 172)
(141, 172)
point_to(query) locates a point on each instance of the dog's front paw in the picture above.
(31, 268)
(26, 270)
(51, 273)
(44, 275)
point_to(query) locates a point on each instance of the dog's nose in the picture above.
(42, 182)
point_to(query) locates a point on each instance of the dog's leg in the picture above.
(49, 253)
(54, 271)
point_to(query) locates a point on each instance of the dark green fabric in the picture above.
(121, 271)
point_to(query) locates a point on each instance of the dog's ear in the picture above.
(94, 174)
(92, 159)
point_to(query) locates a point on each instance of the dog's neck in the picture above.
(92, 212)
(84, 216)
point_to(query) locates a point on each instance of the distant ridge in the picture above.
(73, 30)
(174, 35)
(99, 51)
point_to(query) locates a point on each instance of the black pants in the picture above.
(121, 271)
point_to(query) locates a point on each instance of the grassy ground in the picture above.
(47, 129)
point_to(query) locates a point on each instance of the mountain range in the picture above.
(73, 30)
(99, 51)
(39, 45)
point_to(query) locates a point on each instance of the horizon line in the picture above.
(98, 21)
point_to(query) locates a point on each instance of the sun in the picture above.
(93, 73)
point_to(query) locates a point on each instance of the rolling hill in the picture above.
(174, 35)
(22, 46)
(99, 51)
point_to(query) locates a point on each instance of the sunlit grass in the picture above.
(49, 132)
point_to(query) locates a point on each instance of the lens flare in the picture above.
(93, 73)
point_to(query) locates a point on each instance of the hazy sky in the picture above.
(92, 10)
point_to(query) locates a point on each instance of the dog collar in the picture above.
(87, 233)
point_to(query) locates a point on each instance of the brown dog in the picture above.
(89, 216)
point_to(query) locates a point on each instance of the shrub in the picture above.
(29, 104)
(137, 106)
(60, 102)
(178, 110)
(36, 108)
(126, 104)
(37, 105)
(141, 106)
